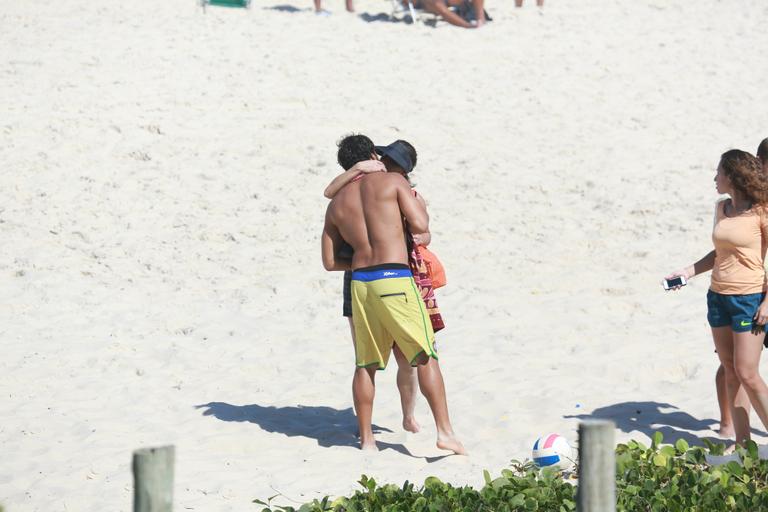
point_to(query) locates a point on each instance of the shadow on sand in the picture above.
(285, 8)
(381, 17)
(650, 417)
(328, 426)
(385, 18)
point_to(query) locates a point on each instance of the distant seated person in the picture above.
(443, 8)
(322, 12)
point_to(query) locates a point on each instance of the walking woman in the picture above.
(736, 307)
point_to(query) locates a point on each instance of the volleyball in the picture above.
(552, 450)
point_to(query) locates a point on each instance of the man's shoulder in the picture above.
(385, 179)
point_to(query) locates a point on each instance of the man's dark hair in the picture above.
(353, 149)
(410, 148)
(762, 150)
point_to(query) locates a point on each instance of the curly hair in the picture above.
(746, 175)
(762, 151)
(354, 149)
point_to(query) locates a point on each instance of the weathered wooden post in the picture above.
(153, 479)
(597, 467)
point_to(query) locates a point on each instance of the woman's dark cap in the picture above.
(398, 152)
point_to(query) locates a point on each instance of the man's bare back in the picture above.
(368, 215)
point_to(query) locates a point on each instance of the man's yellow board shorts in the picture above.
(387, 308)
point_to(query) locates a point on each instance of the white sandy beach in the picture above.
(161, 177)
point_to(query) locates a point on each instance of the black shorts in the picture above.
(347, 307)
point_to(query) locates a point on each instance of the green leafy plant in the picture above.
(524, 487)
(668, 478)
(677, 478)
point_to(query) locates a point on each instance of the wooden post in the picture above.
(153, 479)
(597, 467)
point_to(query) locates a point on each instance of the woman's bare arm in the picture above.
(423, 239)
(347, 176)
(705, 264)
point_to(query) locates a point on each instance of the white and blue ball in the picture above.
(552, 450)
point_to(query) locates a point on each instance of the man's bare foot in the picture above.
(452, 444)
(726, 431)
(369, 446)
(411, 425)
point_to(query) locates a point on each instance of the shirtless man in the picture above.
(368, 214)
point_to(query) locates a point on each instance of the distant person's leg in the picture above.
(440, 8)
(319, 9)
(433, 388)
(363, 391)
(518, 3)
(540, 3)
(747, 350)
(479, 11)
(350, 6)
(726, 421)
(738, 400)
(408, 385)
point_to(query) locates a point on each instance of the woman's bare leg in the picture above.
(748, 348)
(738, 400)
(408, 385)
(726, 421)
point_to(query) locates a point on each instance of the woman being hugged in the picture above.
(736, 307)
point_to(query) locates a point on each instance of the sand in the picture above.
(161, 203)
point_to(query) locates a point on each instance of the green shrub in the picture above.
(523, 488)
(679, 479)
(648, 479)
